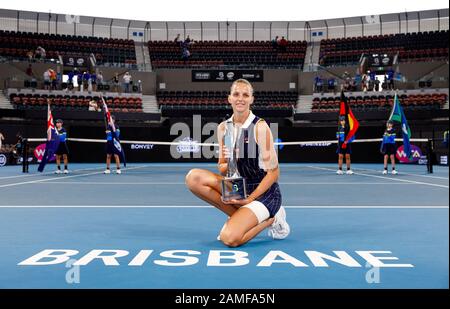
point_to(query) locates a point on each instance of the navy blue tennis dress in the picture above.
(248, 166)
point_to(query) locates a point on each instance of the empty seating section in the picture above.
(218, 100)
(412, 47)
(73, 102)
(18, 44)
(381, 102)
(251, 54)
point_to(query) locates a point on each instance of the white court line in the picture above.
(65, 177)
(62, 182)
(403, 173)
(48, 173)
(100, 166)
(211, 207)
(389, 178)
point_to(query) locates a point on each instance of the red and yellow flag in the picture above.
(351, 120)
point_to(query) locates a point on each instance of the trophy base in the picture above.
(233, 189)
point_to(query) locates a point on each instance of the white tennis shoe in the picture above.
(280, 229)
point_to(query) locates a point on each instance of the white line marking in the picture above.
(404, 173)
(62, 182)
(48, 173)
(65, 177)
(210, 207)
(382, 177)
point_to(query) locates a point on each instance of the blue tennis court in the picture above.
(160, 235)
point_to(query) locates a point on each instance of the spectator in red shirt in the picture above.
(283, 44)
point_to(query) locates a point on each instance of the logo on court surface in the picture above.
(2, 160)
(416, 154)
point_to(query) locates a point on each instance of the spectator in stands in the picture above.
(377, 84)
(46, 77)
(177, 38)
(116, 82)
(58, 80)
(30, 56)
(357, 81)
(30, 72)
(188, 41)
(70, 76)
(80, 81)
(384, 84)
(53, 79)
(37, 54)
(318, 83)
(40, 53)
(364, 82)
(94, 81)
(399, 76)
(185, 54)
(100, 79)
(93, 106)
(347, 79)
(370, 82)
(352, 86)
(332, 84)
(283, 44)
(275, 43)
(390, 79)
(372, 75)
(86, 77)
(126, 81)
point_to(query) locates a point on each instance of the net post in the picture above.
(430, 156)
(24, 155)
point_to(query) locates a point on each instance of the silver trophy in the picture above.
(233, 185)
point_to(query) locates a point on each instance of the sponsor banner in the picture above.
(316, 144)
(75, 61)
(187, 145)
(416, 155)
(380, 60)
(227, 75)
(39, 153)
(423, 160)
(142, 146)
(3, 160)
(443, 160)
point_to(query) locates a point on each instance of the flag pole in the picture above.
(104, 113)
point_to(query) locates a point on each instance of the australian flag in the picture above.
(118, 150)
(52, 141)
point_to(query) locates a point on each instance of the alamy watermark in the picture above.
(187, 144)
